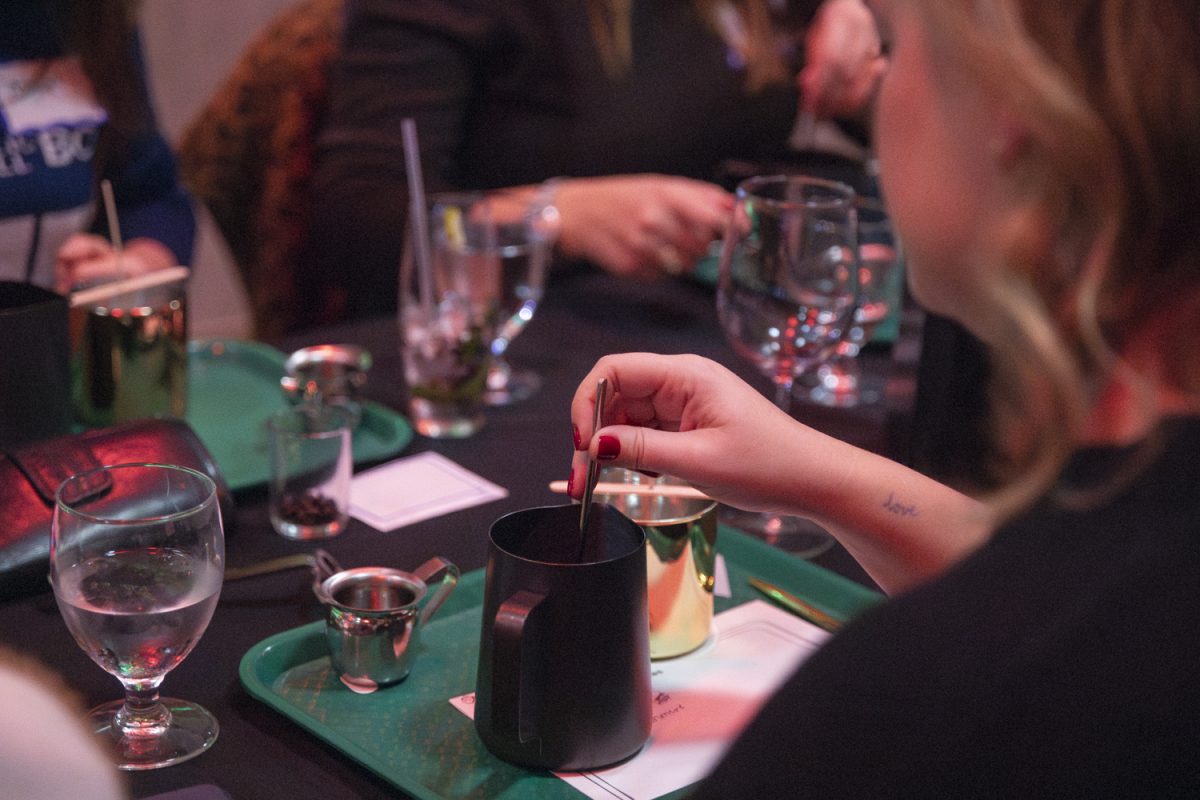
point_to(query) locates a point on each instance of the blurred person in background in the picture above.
(630, 106)
(74, 110)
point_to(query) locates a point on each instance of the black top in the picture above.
(512, 92)
(1059, 660)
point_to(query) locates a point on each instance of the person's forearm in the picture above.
(901, 526)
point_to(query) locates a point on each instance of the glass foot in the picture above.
(302, 531)
(506, 385)
(188, 732)
(835, 386)
(798, 536)
(453, 420)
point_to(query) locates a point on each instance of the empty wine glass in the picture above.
(137, 557)
(786, 292)
(841, 381)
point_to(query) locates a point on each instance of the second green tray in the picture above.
(233, 387)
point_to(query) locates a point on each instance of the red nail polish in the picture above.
(571, 484)
(578, 440)
(608, 448)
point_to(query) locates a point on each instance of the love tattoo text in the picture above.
(899, 509)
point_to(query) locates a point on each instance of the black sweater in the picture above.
(1060, 660)
(512, 92)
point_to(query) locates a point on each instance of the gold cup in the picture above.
(130, 355)
(681, 538)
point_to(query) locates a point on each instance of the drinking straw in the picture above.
(114, 225)
(97, 295)
(416, 210)
(647, 489)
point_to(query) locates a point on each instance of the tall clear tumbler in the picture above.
(448, 315)
(786, 292)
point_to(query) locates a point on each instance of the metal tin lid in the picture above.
(329, 359)
(327, 374)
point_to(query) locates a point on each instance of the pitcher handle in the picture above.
(513, 695)
(427, 572)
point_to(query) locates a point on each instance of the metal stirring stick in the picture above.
(593, 466)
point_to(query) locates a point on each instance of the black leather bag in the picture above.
(30, 477)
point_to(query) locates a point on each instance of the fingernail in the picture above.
(650, 474)
(608, 448)
(571, 484)
(578, 439)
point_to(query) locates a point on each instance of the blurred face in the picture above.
(930, 135)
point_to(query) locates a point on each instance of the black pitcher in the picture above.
(564, 660)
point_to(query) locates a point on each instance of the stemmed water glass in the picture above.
(841, 381)
(506, 250)
(137, 559)
(786, 293)
(521, 245)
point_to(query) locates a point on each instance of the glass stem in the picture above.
(499, 372)
(143, 714)
(783, 391)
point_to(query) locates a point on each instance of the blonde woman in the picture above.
(1042, 161)
(632, 106)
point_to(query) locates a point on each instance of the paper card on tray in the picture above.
(702, 701)
(417, 488)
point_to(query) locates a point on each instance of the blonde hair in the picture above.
(612, 21)
(1107, 97)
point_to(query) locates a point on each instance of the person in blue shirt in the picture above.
(75, 110)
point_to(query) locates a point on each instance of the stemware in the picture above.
(520, 245)
(786, 291)
(137, 556)
(841, 381)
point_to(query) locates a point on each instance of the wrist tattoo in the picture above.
(899, 509)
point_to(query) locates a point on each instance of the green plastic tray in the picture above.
(410, 734)
(233, 387)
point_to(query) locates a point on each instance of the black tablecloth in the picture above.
(260, 753)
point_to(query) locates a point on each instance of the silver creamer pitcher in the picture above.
(373, 617)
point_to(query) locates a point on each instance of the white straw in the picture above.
(114, 225)
(106, 291)
(659, 489)
(416, 210)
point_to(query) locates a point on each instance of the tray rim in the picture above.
(265, 356)
(840, 596)
(300, 642)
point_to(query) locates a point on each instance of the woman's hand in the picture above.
(691, 418)
(843, 61)
(694, 419)
(640, 226)
(86, 259)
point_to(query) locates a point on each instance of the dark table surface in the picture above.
(260, 753)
